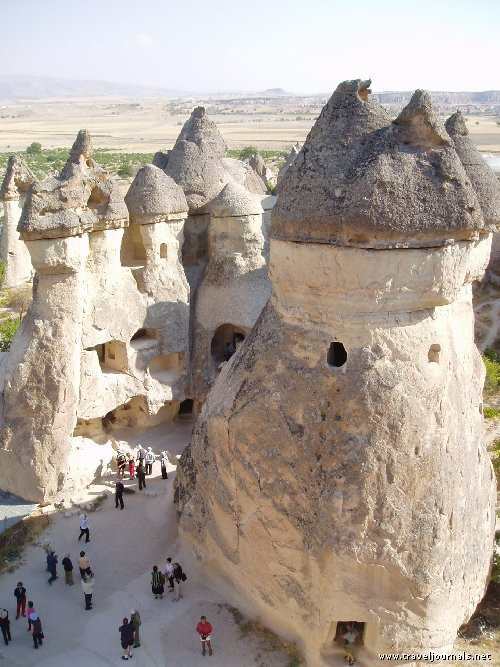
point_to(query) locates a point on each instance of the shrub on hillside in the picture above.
(7, 330)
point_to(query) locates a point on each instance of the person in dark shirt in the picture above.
(141, 476)
(36, 630)
(68, 569)
(127, 636)
(20, 595)
(5, 626)
(52, 566)
(119, 488)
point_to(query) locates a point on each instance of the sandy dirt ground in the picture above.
(148, 125)
(123, 547)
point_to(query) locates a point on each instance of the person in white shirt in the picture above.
(169, 574)
(350, 640)
(84, 528)
(150, 457)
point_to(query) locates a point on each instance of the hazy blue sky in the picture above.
(215, 45)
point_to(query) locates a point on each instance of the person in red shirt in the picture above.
(204, 629)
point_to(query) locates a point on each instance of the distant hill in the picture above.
(37, 87)
(442, 98)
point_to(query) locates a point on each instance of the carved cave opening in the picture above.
(337, 355)
(226, 340)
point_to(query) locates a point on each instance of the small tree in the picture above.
(34, 148)
(125, 171)
(248, 152)
(19, 299)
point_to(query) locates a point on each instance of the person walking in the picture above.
(140, 454)
(84, 528)
(31, 610)
(350, 638)
(84, 565)
(88, 589)
(5, 626)
(68, 569)
(204, 629)
(157, 583)
(135, 620)
(121, 462)
(179, 578)
(119, 489)
(52, 566)
(131, 466)
(36, 630)
(163, 464)
(20, 595)
(169, 574)
(127, 636)
(150, 457)
(141, 476)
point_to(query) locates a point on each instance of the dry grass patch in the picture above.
(248, 627)
(14, 540)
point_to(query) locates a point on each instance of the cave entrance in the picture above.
(349, 634)
(186, 407)
(133, 250)
(226, 340)
(337, 355)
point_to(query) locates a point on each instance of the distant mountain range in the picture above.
(38, 87)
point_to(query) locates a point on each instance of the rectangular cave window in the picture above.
(186, 407)
(337, 355)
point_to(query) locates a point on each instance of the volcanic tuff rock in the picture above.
(486, 184)
(13, 252)
(105, 336)
(81, 198)
(288, 163)
(368, 187)
(153, 196)
(195, 162)
(342, 443)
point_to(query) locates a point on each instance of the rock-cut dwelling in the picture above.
(337, 472)
(107, 346)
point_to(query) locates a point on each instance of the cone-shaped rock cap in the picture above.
(365, 181)
(82, 198)
(195, 162)
(154, 196)
(482, 177)
(18, 179)
(233, 201)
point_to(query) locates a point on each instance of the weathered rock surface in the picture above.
(13, 252)
(288, 163)
(195, 162)
(104, 342)
(368, 189)
(81, 199)
(235, 285)
(342, 444)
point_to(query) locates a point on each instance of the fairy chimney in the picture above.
(13, 252)
(342, 445)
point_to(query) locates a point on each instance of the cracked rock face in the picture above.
(337, 470)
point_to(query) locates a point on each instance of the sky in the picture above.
(302, 46)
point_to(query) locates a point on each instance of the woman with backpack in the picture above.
(157, 583)
(179, 578)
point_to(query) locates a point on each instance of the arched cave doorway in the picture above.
(226, 340)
